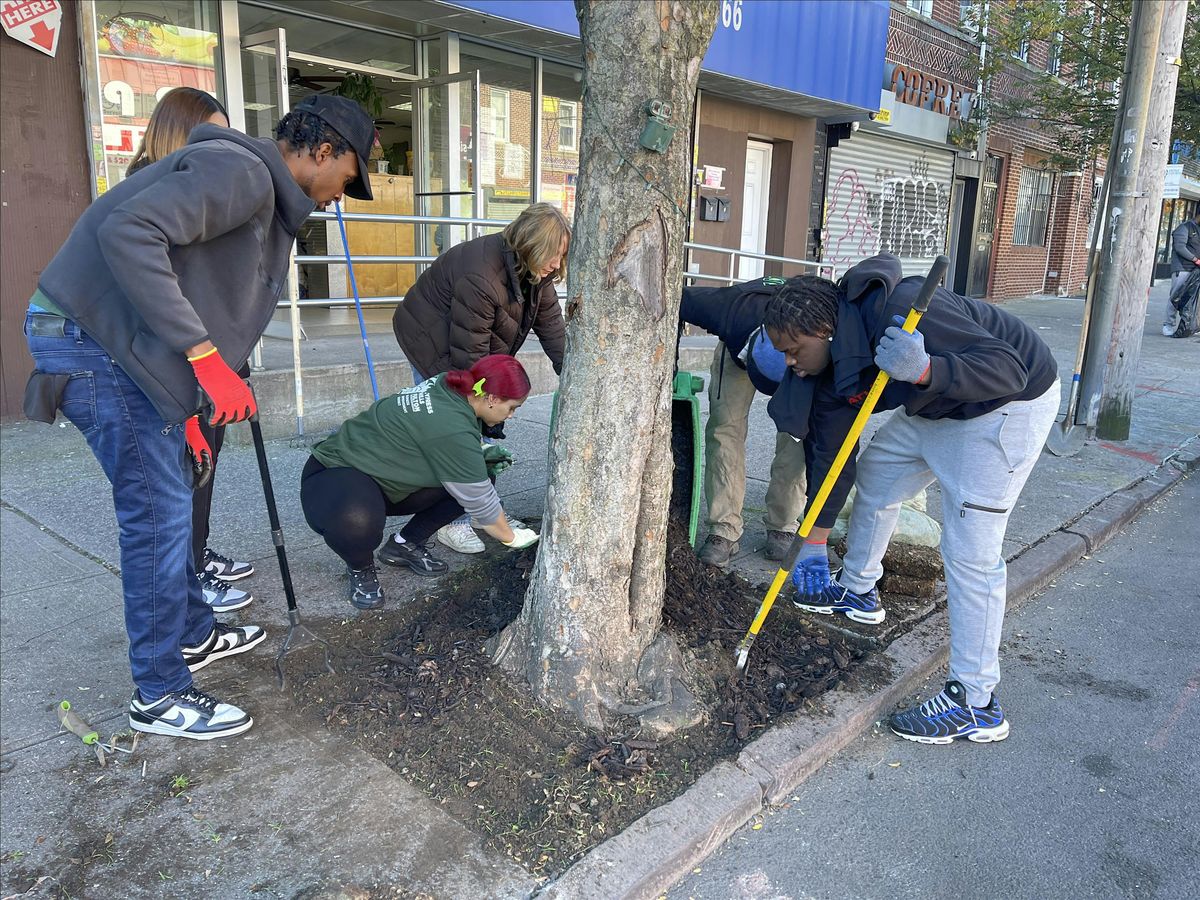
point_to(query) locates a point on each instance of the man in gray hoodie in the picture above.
(1185, 259)
(160, 292)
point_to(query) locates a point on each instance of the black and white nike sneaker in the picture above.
(224, 640)
(225, 568)
(221, 596)
(189, 713)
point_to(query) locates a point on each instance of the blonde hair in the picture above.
(173, 119)
(536, 236)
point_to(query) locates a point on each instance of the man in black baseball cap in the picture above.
(348, 121)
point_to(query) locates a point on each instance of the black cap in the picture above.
(351, 121)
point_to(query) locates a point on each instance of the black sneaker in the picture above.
(948, 717)
(365, 592)
(415, 556)
(225, 640)
(220, 596)
(189, 713)
(225, 568)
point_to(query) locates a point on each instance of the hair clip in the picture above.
(478, 387)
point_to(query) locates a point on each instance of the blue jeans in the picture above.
(144, 459)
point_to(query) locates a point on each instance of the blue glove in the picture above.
(766, 358)
(902, 355)
(811, 574)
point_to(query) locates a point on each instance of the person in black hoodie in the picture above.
(975, 392)
(141, 319)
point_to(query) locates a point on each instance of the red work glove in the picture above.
(200, 452)
(231, 397)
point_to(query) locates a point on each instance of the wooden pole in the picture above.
(1114, 345)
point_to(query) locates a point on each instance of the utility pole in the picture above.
(1135, 201)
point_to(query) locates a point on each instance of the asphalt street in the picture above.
(1092, 795)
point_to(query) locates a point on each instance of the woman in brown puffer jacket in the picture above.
(485, 296)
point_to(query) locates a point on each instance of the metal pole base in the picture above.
(297, 638)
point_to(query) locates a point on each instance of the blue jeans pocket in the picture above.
(78, 402)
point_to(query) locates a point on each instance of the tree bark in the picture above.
(588, 637)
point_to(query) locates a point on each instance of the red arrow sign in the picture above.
(43, 36)
(35, 23)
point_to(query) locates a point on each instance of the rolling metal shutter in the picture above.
(886, 195)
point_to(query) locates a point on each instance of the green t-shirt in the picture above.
(422, 437)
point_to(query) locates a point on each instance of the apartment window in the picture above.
(1023, 50)
(1054, 54)
(1033, 207)
(970, 15)
(568, 125)
(924, 7)
(500, 114)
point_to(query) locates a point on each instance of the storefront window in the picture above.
(560, 127)
(505, 124)
(143, 52)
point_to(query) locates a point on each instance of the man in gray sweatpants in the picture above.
(1185, 259)
(975, 392)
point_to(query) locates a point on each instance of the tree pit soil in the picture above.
(415, 688)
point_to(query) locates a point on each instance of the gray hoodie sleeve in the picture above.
(1182, 242)
(212, 192)
(479, 499)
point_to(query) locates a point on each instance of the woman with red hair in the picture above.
(414, 453)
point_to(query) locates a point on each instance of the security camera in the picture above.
(872, 116)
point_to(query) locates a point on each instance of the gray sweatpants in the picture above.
(1171, 314)
(981, 465)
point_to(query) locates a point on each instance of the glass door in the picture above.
(447, 159)
(264, 80)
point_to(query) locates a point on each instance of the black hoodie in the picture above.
(981, 358)
(192, 247)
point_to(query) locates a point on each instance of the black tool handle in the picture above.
(936, 272)
(264, 470)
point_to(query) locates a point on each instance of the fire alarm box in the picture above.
(714, 209)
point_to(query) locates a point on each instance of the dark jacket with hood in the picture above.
(470, 303)
(734, 314)
(981, 358)
(1185, 246)
(191, 248)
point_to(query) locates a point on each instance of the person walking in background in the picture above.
(1185, 259)
(177, 113)
(159, 293)
(483, 297)
(735, 315)
(414, 453)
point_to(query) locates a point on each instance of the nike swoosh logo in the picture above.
(175, 722)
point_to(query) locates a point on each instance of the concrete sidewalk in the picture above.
(284, 811)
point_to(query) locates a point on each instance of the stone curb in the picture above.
(650, 855)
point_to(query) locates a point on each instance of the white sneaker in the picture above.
(1168, 331)
(460, 537)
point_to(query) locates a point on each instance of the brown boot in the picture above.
(778, 543)
(718, 551)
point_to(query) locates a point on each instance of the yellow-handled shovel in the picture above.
(920, 305)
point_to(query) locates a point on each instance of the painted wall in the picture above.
(44, 187)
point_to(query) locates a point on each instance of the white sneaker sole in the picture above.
(230, 607)
(231, 578)
(851, 614)
(981, 736)
(225, 654)
(169, 731)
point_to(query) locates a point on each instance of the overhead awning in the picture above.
(812, 57)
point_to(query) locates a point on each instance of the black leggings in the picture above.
(349, 509)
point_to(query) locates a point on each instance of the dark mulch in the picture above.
(416, 689)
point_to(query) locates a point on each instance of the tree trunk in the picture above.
(588, 637)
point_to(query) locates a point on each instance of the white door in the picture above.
(754, 208)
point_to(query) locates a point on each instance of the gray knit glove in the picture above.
(902, 355)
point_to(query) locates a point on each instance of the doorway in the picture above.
(981, 255)
(756, 192)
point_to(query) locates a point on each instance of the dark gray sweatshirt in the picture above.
(192, 247)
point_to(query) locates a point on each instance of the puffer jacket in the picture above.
(470, 304)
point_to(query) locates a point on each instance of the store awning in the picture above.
(811, 56)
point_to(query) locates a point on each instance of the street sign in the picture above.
(35, 23)
(1171, 182)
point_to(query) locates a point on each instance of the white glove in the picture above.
(522, 538)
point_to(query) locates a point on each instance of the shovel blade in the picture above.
(1066, 440)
